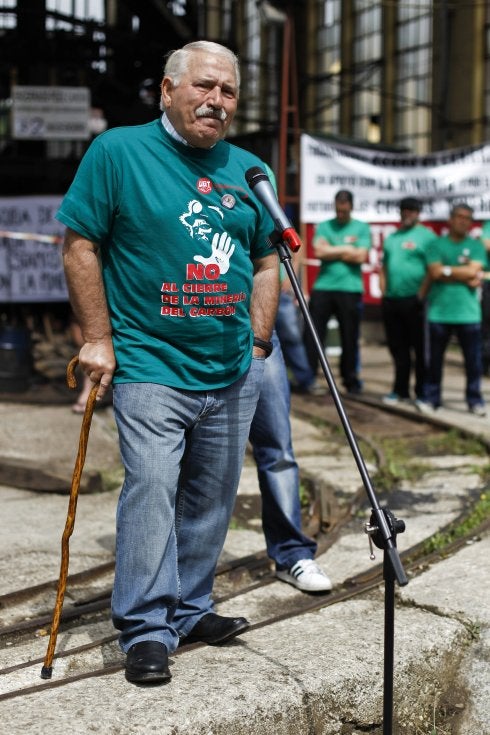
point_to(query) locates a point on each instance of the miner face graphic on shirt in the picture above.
(218, 247)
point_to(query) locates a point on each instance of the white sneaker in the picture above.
(424, 407)
(478, 409)
(317, 389)
(391, 399)
(307, 576)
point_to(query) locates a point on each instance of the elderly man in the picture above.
(179, 319)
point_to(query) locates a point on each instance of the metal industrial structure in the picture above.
(410, 74)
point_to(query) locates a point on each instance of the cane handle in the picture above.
(70, 372)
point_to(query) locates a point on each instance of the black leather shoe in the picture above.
(215, 629)
(147, 662)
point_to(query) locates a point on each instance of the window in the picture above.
(487, 74)
(7, 20)
(413, 87)
(329, 67)
(367, 59)
(76, 9)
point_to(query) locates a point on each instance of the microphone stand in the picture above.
(383, 526)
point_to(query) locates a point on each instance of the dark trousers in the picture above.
(485, 326)
(405, 330)
(469, 338)
(345, 306)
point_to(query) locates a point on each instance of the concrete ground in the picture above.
(318, 673)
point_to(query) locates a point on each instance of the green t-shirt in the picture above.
(450, 302)
(485, 235)
(404, 260)
(178, 230)
(335, 275)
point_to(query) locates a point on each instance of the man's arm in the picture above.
(359, 254)
(324, 251)
(347, 253)
(382, 280)
(265, 294)
(356, 256)
(424, 287)
(470, 273)
(87, 297)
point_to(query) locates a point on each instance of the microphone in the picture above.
(260, 184)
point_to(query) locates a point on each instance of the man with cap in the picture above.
(404, 283)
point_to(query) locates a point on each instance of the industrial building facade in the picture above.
(406, 74)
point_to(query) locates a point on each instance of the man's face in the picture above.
(460, 223)
(202, 106)
(408, 218)
(343, 210)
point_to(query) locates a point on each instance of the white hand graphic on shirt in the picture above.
(221, 251)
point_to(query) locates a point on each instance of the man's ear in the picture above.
(166, 89)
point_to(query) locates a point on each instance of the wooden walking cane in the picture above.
(47, 668)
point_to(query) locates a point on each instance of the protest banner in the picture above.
(378, 181)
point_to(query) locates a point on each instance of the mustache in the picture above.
(217, 112)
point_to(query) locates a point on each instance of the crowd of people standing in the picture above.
(433, 287)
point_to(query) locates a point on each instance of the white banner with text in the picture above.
(31, 269)
(379, 180)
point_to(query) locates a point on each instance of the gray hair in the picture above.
(178, 61)
(461, 205)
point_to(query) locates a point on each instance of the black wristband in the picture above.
(266, 346)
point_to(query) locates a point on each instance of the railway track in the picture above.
(413, 559)
(234, 580)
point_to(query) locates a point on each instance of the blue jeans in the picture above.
(183, 453)
(291, 339)
(469, 338)
(270, 436)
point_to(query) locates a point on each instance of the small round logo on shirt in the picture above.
(228, 201)
(205, 186)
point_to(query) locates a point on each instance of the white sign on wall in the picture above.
(31, 268)
(50, 113)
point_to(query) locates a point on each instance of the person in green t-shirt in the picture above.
(342, 245)
(178, 315)
(404, 283)
(485, 301)
(455, 263)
